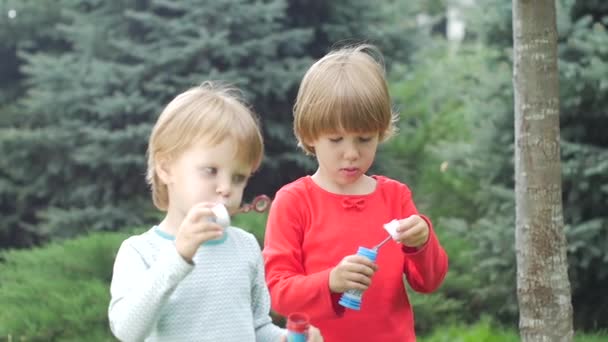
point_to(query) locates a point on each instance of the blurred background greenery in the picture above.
(82, 81)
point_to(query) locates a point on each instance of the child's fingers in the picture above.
(212, 231)
(314, 335)
(197, 228)
(355, 276)
(359, 280)
(408, 223)
(350, 275)
(415, 236)
(199, 212)
(357, 268)
(408, 234)
(361, 260)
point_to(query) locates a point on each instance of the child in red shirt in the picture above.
(316, 223)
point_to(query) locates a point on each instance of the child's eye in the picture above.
(210, 171)
(365, 139)
(335, 139)
(239, 179)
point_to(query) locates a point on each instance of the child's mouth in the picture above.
(350, 171)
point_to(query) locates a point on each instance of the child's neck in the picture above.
(170, 224)
(363, 186)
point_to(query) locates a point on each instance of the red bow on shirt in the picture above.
(357, 204)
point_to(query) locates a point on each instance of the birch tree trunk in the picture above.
(543, 288)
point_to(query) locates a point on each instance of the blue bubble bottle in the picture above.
(351, 299)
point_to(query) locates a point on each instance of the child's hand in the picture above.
(196, 229)
(314, 335)
(353, 272)
(412, 231)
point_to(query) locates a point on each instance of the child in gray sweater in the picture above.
(189, 278)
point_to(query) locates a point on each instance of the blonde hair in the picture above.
(345, 90)
(206, 114)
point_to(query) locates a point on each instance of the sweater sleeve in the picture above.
(426, 267)
(265, 330)
(139, 291)
(292, 289)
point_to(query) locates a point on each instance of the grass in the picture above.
(485, 331)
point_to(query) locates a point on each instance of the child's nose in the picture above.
(351, 153)
(224, 188)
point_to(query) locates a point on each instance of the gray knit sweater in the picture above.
(158, 296)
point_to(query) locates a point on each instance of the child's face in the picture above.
(204, 173)
(344, 157)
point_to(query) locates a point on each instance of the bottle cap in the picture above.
(222, 217)
(368, 253)
(298, 322)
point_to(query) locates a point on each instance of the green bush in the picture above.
(482, 331)
(60, 291)
(253, 222)
(439, 125)
(457, 300)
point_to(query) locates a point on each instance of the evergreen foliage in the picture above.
(77, 156)
(583, 64)
(59, 292)
(443, 128)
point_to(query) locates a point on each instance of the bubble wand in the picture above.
(260, 204)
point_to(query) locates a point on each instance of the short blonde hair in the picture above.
(206, 114)
(345, 90)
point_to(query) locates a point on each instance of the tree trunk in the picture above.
(543, 288)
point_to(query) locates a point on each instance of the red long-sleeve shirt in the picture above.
(310, 230)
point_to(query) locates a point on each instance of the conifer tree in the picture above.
(75, 157)
(79, 152)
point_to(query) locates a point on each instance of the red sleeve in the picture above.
(291, 288)
(426, 267)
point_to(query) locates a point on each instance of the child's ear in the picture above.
(163, 170)
(307, 145)
(311, 148)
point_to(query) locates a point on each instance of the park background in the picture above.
(82, 81)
